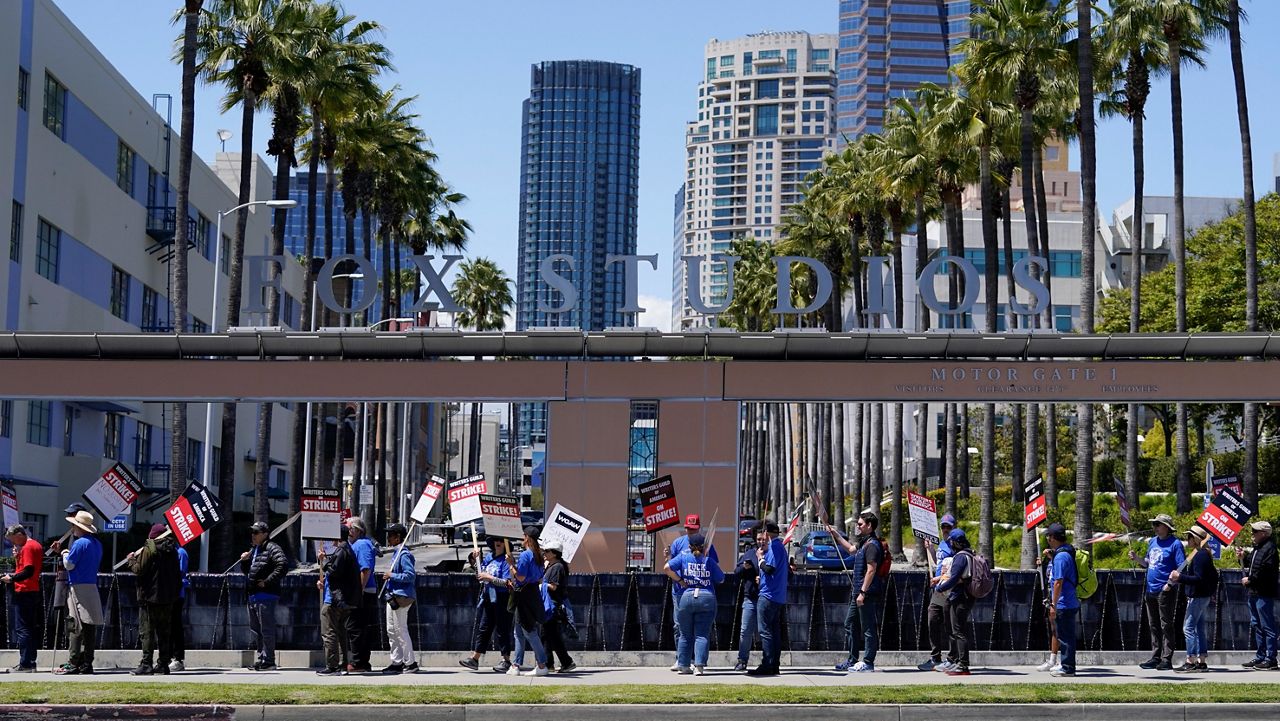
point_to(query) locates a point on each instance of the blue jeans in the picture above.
(769, 616)
(530, 637)
(749, 630)
(696, 614)
(1262, 625)
(1066, 627)
(26, 627)
(862, 628)
(1194, 626)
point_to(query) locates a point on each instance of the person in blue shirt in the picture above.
(695, 574)
(493, 619)
(178, 631)
(84, 605)
(1064, 605)
(959, 603)
(939, 621)
(265, 564)
(1164, 555)
(749, 576)
(774, 569)
(692, 525)
(362, 623)
(525, 581)
(400, 593)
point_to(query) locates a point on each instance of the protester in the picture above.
(1054, 659)
(493, 618)
(1199, 581)
(774, 568)
(178, 630)
(692, 525)
(363, 620)
(1260, 577)
(959, 603)
(84, 605)
(27, 600)
(343, 592)
(1164, 555)
(556, 581)
(939, 621)
(524, 580)
(695, 574)
(400, 594)
(1064, 605)
(749, 578)
(264, 564)
(159, 580)
(866, 595)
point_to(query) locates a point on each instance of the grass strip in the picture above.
(91, 693)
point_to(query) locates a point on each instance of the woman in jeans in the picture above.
(526, 579)
(1199, 580)
(695, 575)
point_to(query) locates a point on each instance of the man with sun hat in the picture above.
(84, 605)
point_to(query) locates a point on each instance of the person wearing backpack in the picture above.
(959, 603)
(1064, 606)
(1199, 581)
(866, 594)
(1164, 555)
(939, 621)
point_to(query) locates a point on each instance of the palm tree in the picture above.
(190, 15)
(484, 292)
(1088, 192)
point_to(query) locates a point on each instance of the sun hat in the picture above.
(83, 520)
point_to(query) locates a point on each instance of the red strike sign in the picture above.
(183, 522)
(321, 505)
(1226, 515)
(466, 488)
(659, 500)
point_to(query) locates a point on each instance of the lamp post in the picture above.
(213, 328)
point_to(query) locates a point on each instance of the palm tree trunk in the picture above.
(1051, 455)
(922, 255)
(839, 489)
(895, 527)
(824, 454)
(1029, 471)
(875, 452)
(859, 458)
(1088, 200)
(1136, 261)
(966, 458)
(986, 496)
(1027, 171)
(953, 467)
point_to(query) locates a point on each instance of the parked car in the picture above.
(817, 550)
(744, 531)
(464, 531)
(532, 518)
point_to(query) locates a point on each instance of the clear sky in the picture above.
(468, 63)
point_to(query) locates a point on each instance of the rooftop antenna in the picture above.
(224, 135)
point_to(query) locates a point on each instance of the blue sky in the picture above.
(468, 63)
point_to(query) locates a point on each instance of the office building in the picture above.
(764, 123)
(888, 48)
(1115, 249)
(579, 172)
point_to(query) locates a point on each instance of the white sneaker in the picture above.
(863, 667)
(675, 666)
(1049, 663)
(1057, 666)
(699, 671)
(536, 671)
(514, 670)
(684, 670)
(944, 666)
(177, 666)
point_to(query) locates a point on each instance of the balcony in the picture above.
(162, 225)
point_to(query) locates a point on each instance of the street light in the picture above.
(213, 328)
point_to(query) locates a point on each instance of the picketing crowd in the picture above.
(522, 603)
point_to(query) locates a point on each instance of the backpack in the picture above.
(886, 561)
(981, 582)
(1086, 577)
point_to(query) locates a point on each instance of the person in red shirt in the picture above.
(26, 595)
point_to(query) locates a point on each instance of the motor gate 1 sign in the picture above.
(924, 517)
(114, 492)
(321, 513)
(1035, 513)
(194, 513)
(566, 527)
(427, 501)
(464, 498)
(501, 516)
(1226, 515)
(659, 500)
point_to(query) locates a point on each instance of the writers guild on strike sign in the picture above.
(1035, 512)
(1226, 515)
(658, 498)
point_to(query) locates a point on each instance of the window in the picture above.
(125, 158)
(112, 442)
(48, 248)
(119, 293)
(642, 468)
(68, 427)
(226, 255)
(6, 419)
(142, 445)
(39, 422)
(204, 229)
(766, 88)
(150, 307)
(1062, 318)
(195, 459)
(1051, 152)
(15, 233)
(36, 524)
(153, 186)
(1065, 263)
(24, 88)
(55, 106)
(767, 120)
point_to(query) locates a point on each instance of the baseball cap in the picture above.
(697, 539)
(1260, 526)
(259, 527)
(75, 508)
(692, 521)
(956, 535)
(948, 520)
(553, 546)
(1056, 530)
(396, 528)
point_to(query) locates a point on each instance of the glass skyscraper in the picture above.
(579, 172)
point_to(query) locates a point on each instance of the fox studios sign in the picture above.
(551, 270)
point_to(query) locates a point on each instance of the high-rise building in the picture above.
(888, 48)
(764, 123)
(579, 174)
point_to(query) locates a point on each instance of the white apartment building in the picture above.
(1115, 252)
(84, 176)
(766, 118)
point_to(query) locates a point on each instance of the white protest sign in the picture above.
(366, 494)
(321, 513)
(566, 527)
(924, 517)
(114, 492)
(501, 516)
(427, 501)
(464, 499)
(10, 496)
